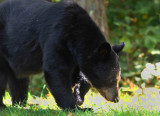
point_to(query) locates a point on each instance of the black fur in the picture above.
(59, 39)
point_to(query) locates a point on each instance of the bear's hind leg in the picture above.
(18, 89)
(3, 84)
(5, 72)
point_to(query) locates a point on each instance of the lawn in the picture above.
(146, 104)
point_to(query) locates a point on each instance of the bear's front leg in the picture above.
(58, 66)
(59, 83)
(60, 87)
(58, 69)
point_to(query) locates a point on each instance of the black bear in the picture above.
(62, 41)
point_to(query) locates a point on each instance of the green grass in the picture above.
(13, 111)
(136, 105)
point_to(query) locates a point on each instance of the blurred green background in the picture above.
(137, 23)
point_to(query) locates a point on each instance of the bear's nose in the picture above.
(116, 100)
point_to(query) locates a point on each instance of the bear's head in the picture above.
(103, 70)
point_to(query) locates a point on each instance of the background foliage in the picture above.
(137, 23)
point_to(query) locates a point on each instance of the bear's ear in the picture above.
(104, 49)
(117, 48)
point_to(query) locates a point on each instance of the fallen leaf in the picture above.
(69, 114)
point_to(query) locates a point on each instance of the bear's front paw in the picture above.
(86, 109)
(79, 99)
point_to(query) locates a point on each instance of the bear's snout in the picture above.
(110, 94)
(112, 99)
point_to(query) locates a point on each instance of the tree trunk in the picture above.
(96, 9)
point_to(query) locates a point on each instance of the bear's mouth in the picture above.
(116, 100)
